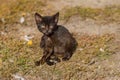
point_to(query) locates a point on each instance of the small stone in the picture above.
(27, 37)
(22, 20)
(80, 49)
(11, 60)
(17, 77)
(3, 20)
(102, 50)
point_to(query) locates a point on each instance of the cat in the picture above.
(47, 46)
(57, 42)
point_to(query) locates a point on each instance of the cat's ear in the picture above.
(56, 17)
(38, 18)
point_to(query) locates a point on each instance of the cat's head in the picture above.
(47, 24)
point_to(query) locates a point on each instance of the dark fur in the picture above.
(56, 41)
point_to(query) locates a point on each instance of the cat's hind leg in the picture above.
(67, 56)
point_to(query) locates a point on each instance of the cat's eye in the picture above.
(42, 26)
(51, 27)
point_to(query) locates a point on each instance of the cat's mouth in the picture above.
(48, 34)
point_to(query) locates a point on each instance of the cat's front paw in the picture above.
(38, 63)
(50, 63)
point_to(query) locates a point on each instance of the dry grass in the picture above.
(13, 10)
(17, 57)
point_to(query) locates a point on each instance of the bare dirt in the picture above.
(84, 3)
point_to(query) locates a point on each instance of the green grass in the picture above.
(109, 14)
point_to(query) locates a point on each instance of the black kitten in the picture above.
(56, 41)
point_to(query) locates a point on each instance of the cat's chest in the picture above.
(55, 39)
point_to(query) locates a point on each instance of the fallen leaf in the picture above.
(22, 20)
(29, 43)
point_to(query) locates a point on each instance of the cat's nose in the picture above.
(47, 28)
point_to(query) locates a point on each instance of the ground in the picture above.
(95, 25)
